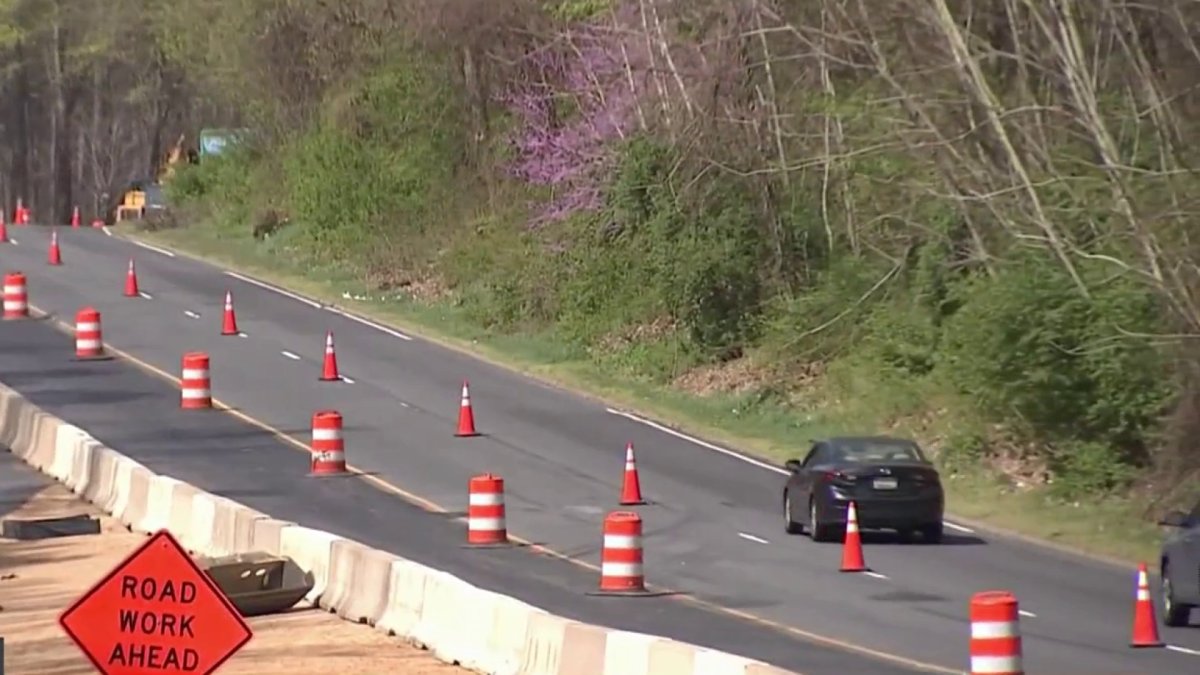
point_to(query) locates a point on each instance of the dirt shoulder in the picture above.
(39, 579)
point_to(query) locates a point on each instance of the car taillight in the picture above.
(838, 478)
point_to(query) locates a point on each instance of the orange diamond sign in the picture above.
(156, 612)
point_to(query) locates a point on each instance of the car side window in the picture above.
(820, 454)
(810, 459)
(1194, 516)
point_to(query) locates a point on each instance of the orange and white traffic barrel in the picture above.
(196, 385)
(89, 343)
(328, 446)
(486, 524)
(621, 556)
(995, 634)
(16, 300)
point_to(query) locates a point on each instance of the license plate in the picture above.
(885, 484)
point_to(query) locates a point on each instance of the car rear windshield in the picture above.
(877, 450)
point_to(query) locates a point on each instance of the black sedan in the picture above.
(892, 484)
(1179, 565)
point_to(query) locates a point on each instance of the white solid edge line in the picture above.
(190, 314)
(290, 355)
(150, 247)
(347, 380)
(145, 295)
(13, 242)
(366, 322)
(1027, 613)
(730, 453)
(1184, 650)
(753, 538)
(876, 575)
(274, 289)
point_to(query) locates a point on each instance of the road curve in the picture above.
(713, 530)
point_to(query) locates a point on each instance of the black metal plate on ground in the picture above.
(48, 528)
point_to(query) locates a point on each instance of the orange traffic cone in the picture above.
(75, 217)
(1145, 626)
(55, 257)
(852, 551)
(229, 322)
(3, 230)
(131, 284)
(631, 487)
(329, 372)
(466, 417)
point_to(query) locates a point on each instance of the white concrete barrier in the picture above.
(157, 515)
(266, 535)
(226, 519)
(133, 508)
(506, 639)
(179, 511)
(669, 656)
(626, 652)
(67, 439)
(311, 550)
(82, 472)
(202, 521)
(101, 486)
(441, 608)
(359, 577)
(459, 622)
(713, 662)
(544, 652)
(406, 592)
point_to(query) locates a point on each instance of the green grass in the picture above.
(1112, 529)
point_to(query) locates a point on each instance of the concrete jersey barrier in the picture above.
(459, 622)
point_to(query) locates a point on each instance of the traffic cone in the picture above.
(3, 230)
(852, 551)
(229, 322)
(131, 284)
(466, 417)
(1145, 626)
(75, 217)
(97, 223)
(631, 487)
(55, 257)
(329, 372)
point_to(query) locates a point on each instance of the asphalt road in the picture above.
(714, 529)
(18, 483)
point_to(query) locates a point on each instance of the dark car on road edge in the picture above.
(1179, 565)
(892, 484)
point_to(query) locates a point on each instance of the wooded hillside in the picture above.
(973, 220)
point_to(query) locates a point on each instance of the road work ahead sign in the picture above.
(156, 612)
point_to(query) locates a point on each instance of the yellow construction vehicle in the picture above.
(143, 196)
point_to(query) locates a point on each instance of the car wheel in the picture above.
(1174, 614)
(790, 525)
(816, 530)
(933, 533)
